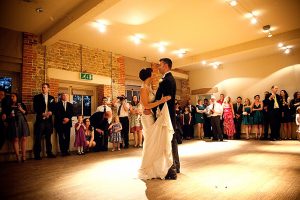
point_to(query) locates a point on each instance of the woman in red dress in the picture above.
(228, 115)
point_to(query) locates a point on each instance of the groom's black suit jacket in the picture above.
(167, 87)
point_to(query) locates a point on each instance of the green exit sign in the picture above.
(86, 76)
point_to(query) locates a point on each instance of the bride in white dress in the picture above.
(157, 150)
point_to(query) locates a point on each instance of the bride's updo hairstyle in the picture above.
(145, 73)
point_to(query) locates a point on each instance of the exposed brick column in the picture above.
(29, 68)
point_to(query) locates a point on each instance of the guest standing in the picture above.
(135, 121)
(63, 123)
(298, 121)
(80, 140)
(215, 110)
(286, 115)
(186, 121)
(199, 119)
(228, 116)
(275, 108)
(258, 118)
(17, 125)
(123, 113)
(238, 111)
(207, 121)
(266, 115)
(115, 136)
(247, 118)
(44, 107)
(3, 106)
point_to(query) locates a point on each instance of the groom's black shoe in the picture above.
(177, 171)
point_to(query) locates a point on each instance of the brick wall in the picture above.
(71, 57)
(185, 92)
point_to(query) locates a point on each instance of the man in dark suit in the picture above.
(274, 109)
(238, 111)
(3, 106)
(167, 87)
(265, 111)
(99, 121)
(43, 105)
(63, 123)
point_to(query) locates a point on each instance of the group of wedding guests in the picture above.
(224, 118)
(213, 119)
(91, 133)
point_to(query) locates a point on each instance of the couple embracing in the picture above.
(160, 152)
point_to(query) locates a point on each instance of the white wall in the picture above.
(251, 77)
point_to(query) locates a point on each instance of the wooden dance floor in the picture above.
(209, 170)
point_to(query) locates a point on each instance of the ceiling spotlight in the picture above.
(253, 20)
(39, 10)
(233, 3)
(287, 50)
(162, 49)
(280, 45)
(203, 62)
(161, 46)
(137, 38)
(181, 52)
(270, 34)
(215, 65)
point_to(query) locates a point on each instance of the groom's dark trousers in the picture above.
(168, 88)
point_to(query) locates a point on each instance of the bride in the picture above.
(157, 150)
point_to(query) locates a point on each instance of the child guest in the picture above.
(115, 137)
(80, 140)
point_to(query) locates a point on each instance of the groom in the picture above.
(167, 87)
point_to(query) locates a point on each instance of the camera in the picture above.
(121, 98)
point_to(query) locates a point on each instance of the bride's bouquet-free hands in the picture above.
(165, 99)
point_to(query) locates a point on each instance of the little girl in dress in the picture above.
(115, 137)
(80, 140)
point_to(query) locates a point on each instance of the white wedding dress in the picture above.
(157, 149)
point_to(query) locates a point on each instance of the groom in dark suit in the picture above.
(63, 123)
(44, 106)
(167, 87)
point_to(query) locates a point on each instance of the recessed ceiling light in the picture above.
(137, 38)
(253, 20)
(39, 10)
(203, 62)
(280, 45)
(287, 50)
(101, 25)
(233, 3)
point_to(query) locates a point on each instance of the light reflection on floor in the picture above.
(225, 171)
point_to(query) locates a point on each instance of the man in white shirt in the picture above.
(106, 109)
(216, 110)
(123, 112)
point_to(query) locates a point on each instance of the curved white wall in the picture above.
(251, 77)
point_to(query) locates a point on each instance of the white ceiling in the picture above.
(210, 30)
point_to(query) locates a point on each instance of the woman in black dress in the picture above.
(17, 125)
(287, 118)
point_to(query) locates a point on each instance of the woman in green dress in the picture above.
(199, 120)
(247, 117)
(258, 118)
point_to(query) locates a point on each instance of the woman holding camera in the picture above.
(17, 125)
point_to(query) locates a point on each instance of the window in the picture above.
(5, 84)
(82, 105)
(131, 91)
